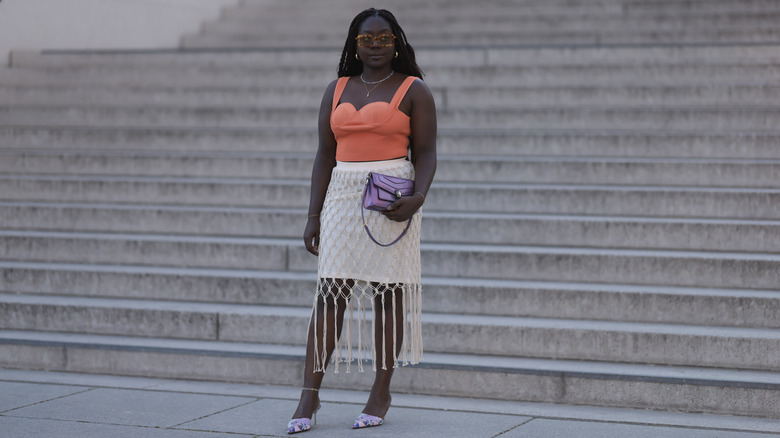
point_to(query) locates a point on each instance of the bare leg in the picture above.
(379, 400)
(335, 321)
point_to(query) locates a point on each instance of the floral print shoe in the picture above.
(301, 424)
(365, 420)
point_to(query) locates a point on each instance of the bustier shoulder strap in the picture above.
(340, 85)
(399, 95)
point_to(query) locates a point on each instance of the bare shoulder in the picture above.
(327, 97)
(332, 85)
(417, 96)
(330, 89)
(420, 88)
(420, 95)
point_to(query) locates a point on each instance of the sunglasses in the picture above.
(384, 40)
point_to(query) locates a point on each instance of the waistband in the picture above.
(369, 165)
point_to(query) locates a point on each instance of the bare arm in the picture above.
(423, 124)
(324, 162)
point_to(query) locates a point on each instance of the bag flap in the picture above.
(391, 184)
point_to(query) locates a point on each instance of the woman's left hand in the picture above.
(404, 208)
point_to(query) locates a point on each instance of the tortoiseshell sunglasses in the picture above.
(384, 40)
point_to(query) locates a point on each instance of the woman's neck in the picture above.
(376, 74)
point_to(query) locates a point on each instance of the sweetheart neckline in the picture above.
(357, 111)
(362, 107)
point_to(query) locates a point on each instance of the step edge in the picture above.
(444, 361)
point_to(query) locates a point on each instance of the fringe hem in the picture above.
(353, 294)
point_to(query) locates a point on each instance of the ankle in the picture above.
(310, 393)
(378, 404)
(381, 396)
(307, 404)
(310, 398)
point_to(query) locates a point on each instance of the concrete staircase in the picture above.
(604, 227)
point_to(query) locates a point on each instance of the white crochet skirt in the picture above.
(357, 270)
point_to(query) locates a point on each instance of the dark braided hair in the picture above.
(405, 63)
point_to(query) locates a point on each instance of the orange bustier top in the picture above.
(378, 131)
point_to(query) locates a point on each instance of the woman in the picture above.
(371, 119)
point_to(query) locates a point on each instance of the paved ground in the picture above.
(38, 404)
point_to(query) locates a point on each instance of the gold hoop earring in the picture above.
(396, 55)
(357, 57)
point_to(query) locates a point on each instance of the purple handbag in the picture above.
(381, 191)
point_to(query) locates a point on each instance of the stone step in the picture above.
(457, 168)
(696, 6)
(166, 96)
(567, 75)
(508, 97)
(663, 344)
(502, 262)
(261, 62)
(629, 54)
(451, 96)
(704, 118)
(615, 143)
(418, 26)
(344, 11)
(175, 139)
(477, 228)
(698, 389)
(587, 301)
(403, 9)
(766, 33)
(655, 201)
(440, 57)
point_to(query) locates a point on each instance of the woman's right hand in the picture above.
(311, 235)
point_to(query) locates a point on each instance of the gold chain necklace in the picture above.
(375, 83)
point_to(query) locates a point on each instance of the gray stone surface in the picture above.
(536, 74)
(445, 95)
(728, 347)
(701, 389)
(462, 168)
(256, 411)
(748, 118)
(460, 227)
(723, 144)
(595, 301)
(625, 266)
(544, 428)
(18, 394)
(85, 380)
(441, 56)
(560, 199)
(17, 427)
(268, 417)
(131, 407)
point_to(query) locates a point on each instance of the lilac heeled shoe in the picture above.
(303, 424)
(365, 420)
